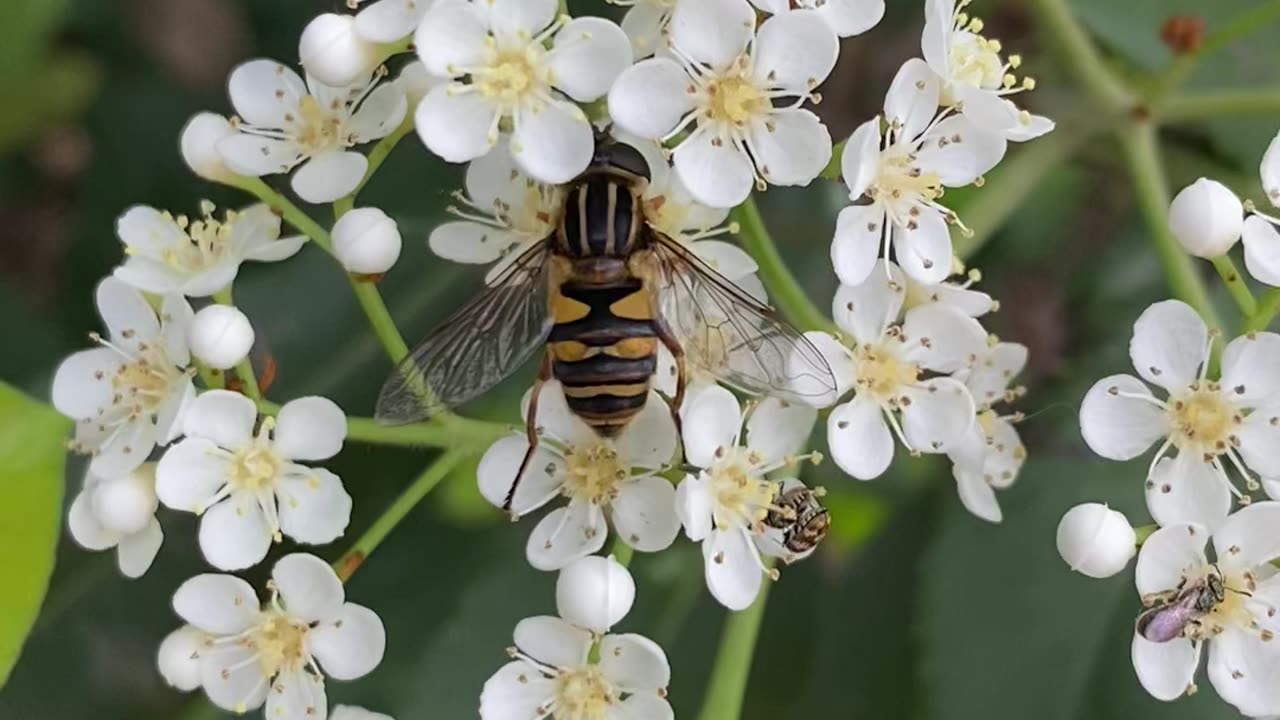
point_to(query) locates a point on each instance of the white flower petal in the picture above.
(924, 251)
(986, 109)
(190, 473)
(453, 35)
(263, 92)
(179, 658)
(85, 527)
(942, 339)
(838, 358)
(137, 551)
(1165, 669)
(1251, 368)
(587, 56)
(232, 678)
(644, 514)
(792, 147)
(1185, 489)
(1270, 171)
(1248, 538)
(386, 21)
(556, 419)
(129, 319)
(234, 533)
(778, 429)
(939, 415)
(733, 569)
(254, 155)
(852, 17)
(977, 496)
(867, 310)
(82, 384)
(694, 505)
(350, 645)
(176, 317)
(991, 376)
(649, 98)
(310, 428)
(519, 19)
(501, 462)
(643, 707)
(727, 259)
(1029, 128)
(314, 507)
(328, 176)
(634, 663)
(469, 242)
(379, 114)
(935, 41)
(649, 441)
(296, 695)
(1245, 671)
(456, 125)
(1170, 341)
(128, 448)
(552, 143)
(912, 100)
(960, 152)
(553, 641)
(1259, 438)
(860, 159)
(226, 418)
(859, 439)
(712, 420)
(1262, 250)
(351, 712)
(796, 51)
(858, 239)
(309, 589)
(1206, 218)
(566, 534)
(217, 604)
(713, 32)
(715, 172)
(517, 690)
(1168, 556)
(1116, 425)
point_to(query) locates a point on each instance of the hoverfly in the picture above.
(801, 518)
(1183, 608)
(598, 295)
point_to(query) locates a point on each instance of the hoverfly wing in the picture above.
(476, 347)
(733, 336)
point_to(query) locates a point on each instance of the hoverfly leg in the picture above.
(531, 428)
(669, 341)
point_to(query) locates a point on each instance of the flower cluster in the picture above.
(1215, 421)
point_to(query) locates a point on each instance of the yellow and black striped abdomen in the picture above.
(604, 349)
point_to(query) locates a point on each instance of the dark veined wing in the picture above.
(476, 347)
(731, 335)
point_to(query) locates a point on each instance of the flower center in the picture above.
(735, 99)
(901, 184)
(1203, 420)
(280, 643)
(743, 495)
(593, 473)
(510, 76)
(254, 468)
(144, 383)
(976, 60)
(584, 694)
(880, 373)
(321, 128)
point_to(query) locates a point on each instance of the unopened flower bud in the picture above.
(1206, 218)
(221, 336)
(1096, 540)
(366, 241)
(126, 504)
(334, 53)
(179, 658)
(199, 146)
(595, 593)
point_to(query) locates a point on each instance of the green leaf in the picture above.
(32, 455)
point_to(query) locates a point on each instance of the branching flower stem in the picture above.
(784, 290)
(459, 432)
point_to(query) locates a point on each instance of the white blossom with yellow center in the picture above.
(502, 213)
(739, 92)
(1239, 631)
(724, 505)
(248, 488)
(1213, 425)
(991, 453)
(130, 393)
(604, 481)
(563, 671)
(197, 257)
(279, 653)
(846, 17)
(897, 367)
(507, 79)
(977, 79)
(285, 123)
(903, 172)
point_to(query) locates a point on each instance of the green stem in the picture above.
(1236, 285)
(244, 368)
(289, 212)
(212, 379)
(377, 156)
(1139, 144)
(1242, 24)
(621, 551)
(353, 558)
(1081, 56)
(726, 688)
(1218, 104)
(784, 290)
(456, 432)
(1267, 309)
(1143, 532)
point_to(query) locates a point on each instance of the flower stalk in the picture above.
(726, 688)
(785, 291)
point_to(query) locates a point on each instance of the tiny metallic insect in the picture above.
(1180, 613)
(801, 518)
(597, 296)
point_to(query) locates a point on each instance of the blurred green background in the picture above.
(913, 609)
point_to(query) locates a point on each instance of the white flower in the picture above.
(366, 241)
(1239, 630)
(496, 52)
(129, 394)
(384, 21)
(959, 296)
(725, 505)
(179, 657)
(1260, 233)
(883, 363)
(741, 91)
(1212, 424)
(199, 146)
(197, 258)
(351, 712)
(1270, 171)
(248, 488)
(976, 79)
(119, 513)
(904, 172)
(595, 593)
(285, 123)
(1206, 218)
(846, 17)
(553, 674)
(279, 653)
(613, 478)
(990, 454)
(646, 24)
(334, 52)
(221, 336)
(504, 212)
(1096, 540)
